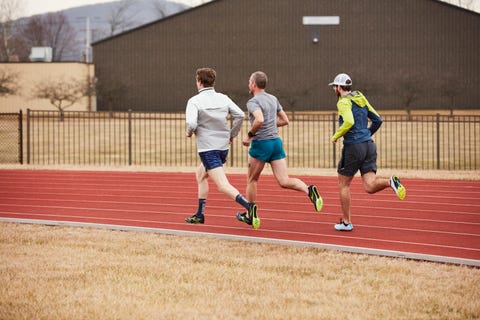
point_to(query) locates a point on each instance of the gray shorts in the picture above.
(361, 156)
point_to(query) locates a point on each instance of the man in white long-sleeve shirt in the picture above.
(206, 116)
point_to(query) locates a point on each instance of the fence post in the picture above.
(129, 137)
(438, 141)
(20, 137)
(334, 121)
(28, 136)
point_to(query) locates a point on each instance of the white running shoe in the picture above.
(342, 226)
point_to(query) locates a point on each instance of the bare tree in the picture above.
(89, 90)
(10, 10)
(50, 30)
(8, 83)
(61, 93)
(409, 91)
(122, 16)
(292, 98)
(450, 88)
(108, 92)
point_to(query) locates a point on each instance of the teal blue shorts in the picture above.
(267, 150)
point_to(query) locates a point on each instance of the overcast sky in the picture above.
(41, 6)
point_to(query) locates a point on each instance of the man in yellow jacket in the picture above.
(359, 151)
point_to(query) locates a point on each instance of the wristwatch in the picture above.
(250, 134)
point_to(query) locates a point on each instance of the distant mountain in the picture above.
(110, 18)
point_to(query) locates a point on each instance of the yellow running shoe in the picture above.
(398, 187)
(315, 197)
(252, 213)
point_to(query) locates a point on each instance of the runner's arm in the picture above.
(282, 119)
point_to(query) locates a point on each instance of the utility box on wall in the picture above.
(41, 54)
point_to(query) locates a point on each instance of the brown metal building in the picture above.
(418, 54)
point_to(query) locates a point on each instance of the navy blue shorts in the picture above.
(213, 159)
(267, 150)
(360, 156)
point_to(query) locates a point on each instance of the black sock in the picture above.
(201, 207)
(242, 201)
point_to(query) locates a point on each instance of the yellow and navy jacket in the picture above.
(354, 110)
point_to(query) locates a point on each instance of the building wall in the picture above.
(31, 74)
(423, 51)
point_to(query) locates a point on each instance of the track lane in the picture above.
(444, 220)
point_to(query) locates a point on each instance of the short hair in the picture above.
(206, 76)
(260, 79)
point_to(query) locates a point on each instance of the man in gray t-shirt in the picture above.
(270, 107)
(266, 115)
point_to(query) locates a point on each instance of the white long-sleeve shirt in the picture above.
(206, 116)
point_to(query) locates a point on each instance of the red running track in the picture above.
(439, 220)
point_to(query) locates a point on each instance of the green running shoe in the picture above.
(315, 197)
(195, 219)
(399, 189)
(252, 213)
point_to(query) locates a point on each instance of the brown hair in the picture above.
(206, 76)
(348, 86)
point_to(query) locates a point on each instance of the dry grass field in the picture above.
(78, 273)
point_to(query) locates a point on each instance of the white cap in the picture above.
(341, 79)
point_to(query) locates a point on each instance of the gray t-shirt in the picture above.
(270, 106)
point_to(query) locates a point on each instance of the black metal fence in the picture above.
(449, 142)
(11, 137)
